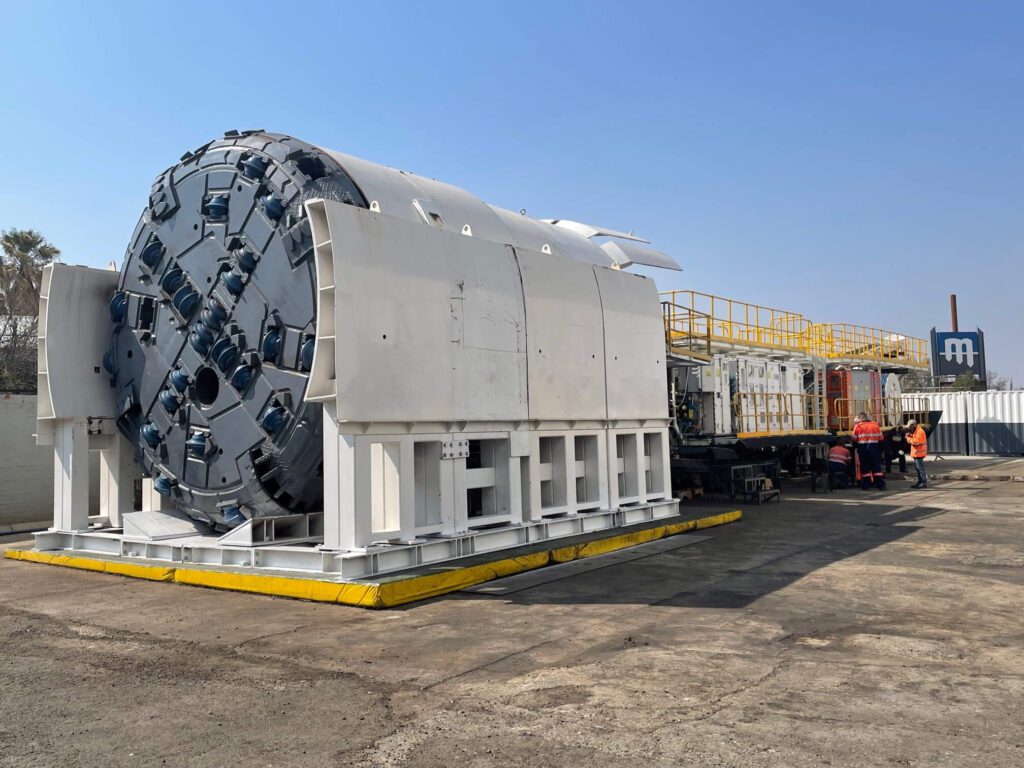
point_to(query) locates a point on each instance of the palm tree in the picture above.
(23, 254)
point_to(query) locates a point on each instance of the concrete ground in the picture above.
(852, 629)
(975, 468)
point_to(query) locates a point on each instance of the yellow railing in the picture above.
(687, 332)
(735, 322)
(767, 413)
(887, 412)
(763, 413)
(702, 319)
(842, 340)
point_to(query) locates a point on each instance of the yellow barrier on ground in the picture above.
(387, 592)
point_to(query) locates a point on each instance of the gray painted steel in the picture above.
(214, 327)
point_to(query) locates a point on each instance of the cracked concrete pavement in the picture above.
(851, 629)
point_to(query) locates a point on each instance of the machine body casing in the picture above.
(485, 380)
(552, 368)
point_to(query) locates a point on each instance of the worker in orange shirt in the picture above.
(867, 435)
(918, 442)
(839, 461)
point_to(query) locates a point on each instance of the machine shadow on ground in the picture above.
(741, 562)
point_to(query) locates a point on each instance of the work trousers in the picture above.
(922, 477)
(838, 474)
(870, 455)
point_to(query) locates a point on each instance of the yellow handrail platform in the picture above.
(698, 324)
(687, 332)
(733, 322)
(773, 413)
(846, 341)
(888, 412)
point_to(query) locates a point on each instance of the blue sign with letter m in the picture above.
(958, 352)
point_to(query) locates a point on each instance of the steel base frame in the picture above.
(314, 561)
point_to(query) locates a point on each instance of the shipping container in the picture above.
(849, 391)
(977, 423)
(997, 422)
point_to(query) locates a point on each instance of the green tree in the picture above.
(23, 254)
(968, 382)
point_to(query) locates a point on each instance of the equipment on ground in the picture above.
(318, 364)
(323, 364)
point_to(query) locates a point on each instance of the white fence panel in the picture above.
(977, 422)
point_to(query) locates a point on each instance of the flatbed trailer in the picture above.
(753, 385)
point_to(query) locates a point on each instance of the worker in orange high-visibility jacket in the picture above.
(839, 461)
(918, 441)
(867, 436)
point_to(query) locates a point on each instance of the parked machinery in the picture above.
(755, 398)
(296, 330)
(750, 383)
(321, 364)
(214, 329)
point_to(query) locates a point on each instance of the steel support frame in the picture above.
(378, 487)
(384, 486)
(72, 440)
(315, 562)
(395, 497)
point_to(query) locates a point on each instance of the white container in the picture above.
(976, 423)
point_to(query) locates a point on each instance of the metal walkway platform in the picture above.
(700, 325)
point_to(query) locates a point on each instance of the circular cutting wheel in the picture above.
(214, 327)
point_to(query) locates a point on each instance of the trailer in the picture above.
(754, 384)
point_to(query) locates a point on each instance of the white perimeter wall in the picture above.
(26, 470)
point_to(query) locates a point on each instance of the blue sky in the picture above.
(855, 162)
